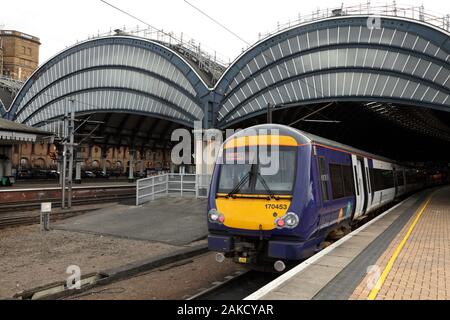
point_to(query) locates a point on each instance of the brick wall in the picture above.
(20, 54)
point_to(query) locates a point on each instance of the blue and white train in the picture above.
(321, 187)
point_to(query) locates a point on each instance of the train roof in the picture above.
(303, 137)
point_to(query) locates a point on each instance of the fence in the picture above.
(172, 185)
(369, 8)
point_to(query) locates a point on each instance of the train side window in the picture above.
(323, 179)
(341, 177)
(337, 181)
(381, 179)
(349, 186)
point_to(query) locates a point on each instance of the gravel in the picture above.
(181, 281)
(30, 258)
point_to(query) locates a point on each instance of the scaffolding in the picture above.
(417, 13)
(1, 57)
(11, 85)
(207, 60)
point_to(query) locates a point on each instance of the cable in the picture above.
(217, 22)
(132, 16)
(222, 26)
(144, 22)
(310, 114)
(272, 60)
(149, 25)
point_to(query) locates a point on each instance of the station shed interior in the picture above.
(385, 89)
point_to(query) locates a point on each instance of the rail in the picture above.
(171, 185)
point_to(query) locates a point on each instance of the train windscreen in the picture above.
(245, 172)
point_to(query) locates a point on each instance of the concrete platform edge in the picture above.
(277, 283)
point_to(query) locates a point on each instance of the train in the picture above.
(319, 190)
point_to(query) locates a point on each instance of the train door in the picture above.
(367, 185)
(361, 193)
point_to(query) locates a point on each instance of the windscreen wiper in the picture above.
(266, 186)
(240, 184)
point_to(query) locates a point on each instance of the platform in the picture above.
(403, 254)
(175, 221)
(22, 194)
(44, 185)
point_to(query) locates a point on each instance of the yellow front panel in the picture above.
(250, 213)
(261, 140)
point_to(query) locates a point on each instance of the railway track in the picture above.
(237, 286)
(26, 213)
(21, 206)
(241, 284)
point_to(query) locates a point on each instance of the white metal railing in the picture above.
(394, 9)
(172, 185)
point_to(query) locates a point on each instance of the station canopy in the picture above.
(383, 88)
(119, 80)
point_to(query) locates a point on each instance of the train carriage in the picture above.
(258, 215)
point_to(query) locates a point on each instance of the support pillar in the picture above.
(89, 155)
(142, 168)
(78, 172)
(142, 162)
(6, 162)
(59, 162)
(59, 170)
(78, 162)
(131, 166)
(8, 168)
(2, 165)
(104, 156)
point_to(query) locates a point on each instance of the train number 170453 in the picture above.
(276, 206)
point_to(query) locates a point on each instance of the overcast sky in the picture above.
(61, 23)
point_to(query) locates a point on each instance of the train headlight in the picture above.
(291, 220)
(215, 217)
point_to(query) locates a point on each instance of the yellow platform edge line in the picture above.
(373, 294)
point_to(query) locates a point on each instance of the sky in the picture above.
(61, 23)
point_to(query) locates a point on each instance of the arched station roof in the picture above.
(8, 90)
(403, 62)
(113, 74)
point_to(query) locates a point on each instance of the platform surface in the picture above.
(403, 254)
(176, 221)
